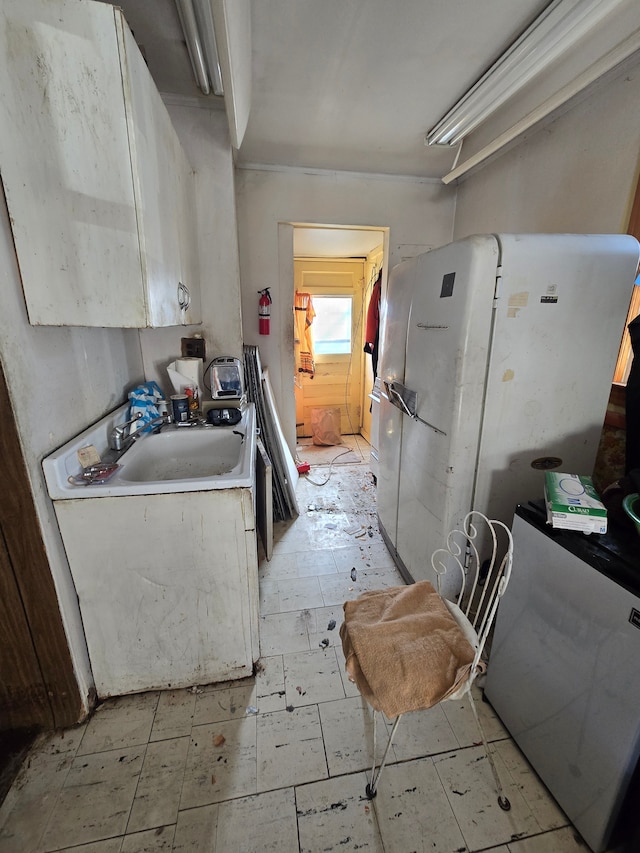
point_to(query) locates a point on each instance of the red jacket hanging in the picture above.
(372, 327)
(373, 312)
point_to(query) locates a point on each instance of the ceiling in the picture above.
(322, 242)
(349, 85)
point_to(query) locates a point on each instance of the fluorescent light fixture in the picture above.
(607, 63)
(196, 18)
(557, 29)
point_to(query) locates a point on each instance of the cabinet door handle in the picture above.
(184, 297)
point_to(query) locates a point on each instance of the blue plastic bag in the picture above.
(144, 400)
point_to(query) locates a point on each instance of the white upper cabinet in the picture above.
(99, 191)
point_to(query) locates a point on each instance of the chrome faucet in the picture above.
(118, 435)
(121, 437)
(156, 423)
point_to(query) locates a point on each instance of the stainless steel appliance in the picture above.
(563, 670)
(226, 378)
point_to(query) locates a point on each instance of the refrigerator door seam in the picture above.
(497, 292)
(479, 446)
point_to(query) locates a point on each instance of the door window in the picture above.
(332, 325)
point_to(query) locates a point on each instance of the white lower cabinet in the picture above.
(100, 194)
(167, 585)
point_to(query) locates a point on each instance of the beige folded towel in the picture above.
(403, 648)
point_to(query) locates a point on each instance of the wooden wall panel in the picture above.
(38, 686)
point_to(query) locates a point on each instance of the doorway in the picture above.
(336, 288)
(337, 267)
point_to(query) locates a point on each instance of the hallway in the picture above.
(277, 762)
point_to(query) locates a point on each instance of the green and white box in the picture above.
(573, 503)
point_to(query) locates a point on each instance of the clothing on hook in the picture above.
(372, 328)
(303, 318)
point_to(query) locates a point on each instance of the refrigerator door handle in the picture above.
(396, 393)
(431, 426)
(406, 400)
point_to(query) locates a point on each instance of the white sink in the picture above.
(178, 459)
(182, 453)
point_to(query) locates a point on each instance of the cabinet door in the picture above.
(65, 165)
(157, 162)
(166, 590)
(187, 221)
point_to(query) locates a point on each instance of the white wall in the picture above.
(578, 174)
(60, 381)
(205, 138)
(418, 212)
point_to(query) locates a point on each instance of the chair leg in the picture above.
(503, 802)
(372, 787)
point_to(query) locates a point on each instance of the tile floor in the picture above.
(151, 772)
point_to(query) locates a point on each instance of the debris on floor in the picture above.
(301, 691)
(354, 574)
(251, 711)
(331, 625)
(218, 740)
(324, 643)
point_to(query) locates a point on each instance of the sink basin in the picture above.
(178, 459)
(180, 453)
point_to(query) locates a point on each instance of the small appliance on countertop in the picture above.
(226, 380)
(224, 416)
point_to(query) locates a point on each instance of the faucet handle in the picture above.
(117, 433)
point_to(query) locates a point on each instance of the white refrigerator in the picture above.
(497, 358)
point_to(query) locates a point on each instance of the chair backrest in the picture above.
(481, 550)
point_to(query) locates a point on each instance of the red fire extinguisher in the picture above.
(264, 311)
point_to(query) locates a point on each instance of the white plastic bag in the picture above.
(325, 426)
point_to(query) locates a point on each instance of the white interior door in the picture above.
(336, 287)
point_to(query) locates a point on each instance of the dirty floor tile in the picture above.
(221, 763)
(470, 789)
(265, 822)
(413, 811)
(159, 840)
(312, 677)
(335, 816)
(158, 792)
(347, 727)
(174, 714)
(96, 798)
(284, 632)
(290, 748)
(121, 722)
(422, 733)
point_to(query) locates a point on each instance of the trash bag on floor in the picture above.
(325, 426)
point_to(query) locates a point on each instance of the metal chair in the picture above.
(378, 624)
